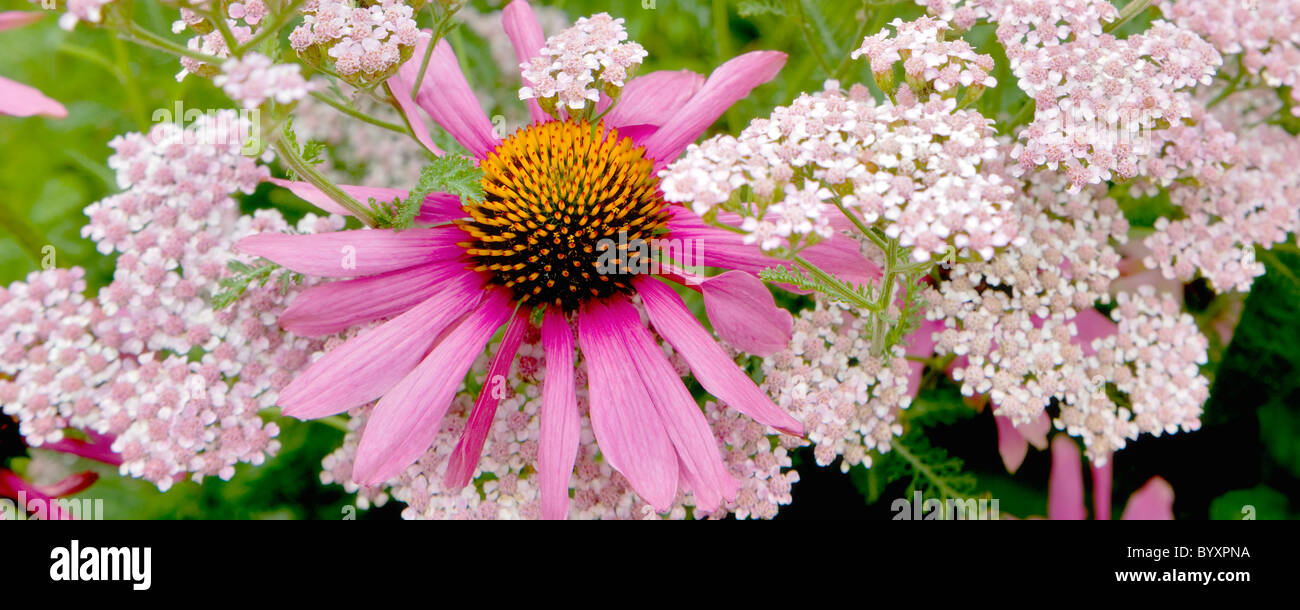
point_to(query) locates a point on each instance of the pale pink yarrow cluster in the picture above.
(253, 79)
(848, 399)
(54, 372)
(1264, 32)
(505, 483)
(928, 59)
(1014, 321)
(1154, 359)
(365, 43)
(209, 40)
(1097, 97)
(192, 380)
(911, 167)
(580, 63)
(1248, 197)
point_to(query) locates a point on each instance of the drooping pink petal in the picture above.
(654, 98)
(15, 19)
(920, 343)
(1036, 431)
(371, 363)
(727, 84)
(355, 253)
(744, 313)
(401, 85)
(17, 99)
(437, 208)
(405, 421)
(526, 36)
(1101, 481)
(713, 369)
(100, 451)
(1153, 502)
(627, 427)
(687, 428)
(465, 457)
(1065, 488)
(1011, 445)
(329, 308)
(840, 255)
(446, 97)
(1092, 325)
(561, 428)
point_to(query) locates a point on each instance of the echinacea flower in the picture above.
(17, 99)
(554, 189)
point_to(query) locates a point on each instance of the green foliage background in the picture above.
(1246, 454)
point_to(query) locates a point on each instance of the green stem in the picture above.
(802, 21)
(305, 170)
(1130, 10)
(841, 290)
(357, 114)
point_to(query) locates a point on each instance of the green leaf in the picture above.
(455, 174)
(1259, 502)
(753, 8)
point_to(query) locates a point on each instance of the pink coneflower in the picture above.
(17, 99)
(529, 251)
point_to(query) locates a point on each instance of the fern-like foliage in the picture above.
(449, 173)
(245, 275)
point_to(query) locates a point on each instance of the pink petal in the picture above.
(1011, 445)
(17, 99)
(729, 83)
(689, 431)
(561, 428)
(1102, 477)
(98, 450)
(744, 313)
(355, 253)
(15, 19)
(654, 98)
(628, 429)
(1065, 489)
(465, 457)
(712, 367)
(371, 363)
(332, 307)
(404, 423)
(1092, 325)
(920, 343)
(1154, 502)
(447, 98)
(400, 86)
(526, 36)
(437, 208)
(1036, 431)
(839, 255)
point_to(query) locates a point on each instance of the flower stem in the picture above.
(283, 17)
(1130, 10)
(357, 114)
(293, 158)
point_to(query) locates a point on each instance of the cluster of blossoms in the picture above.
(242, 19)
(1263, 33)
(365, 42)
(579, 64)
(253, 79)
(847, 398)
(929, 61)
(911, 167)
(1245, 194)
(1096, 96)
(1024, 330)
(506, 482)
(149, 364)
